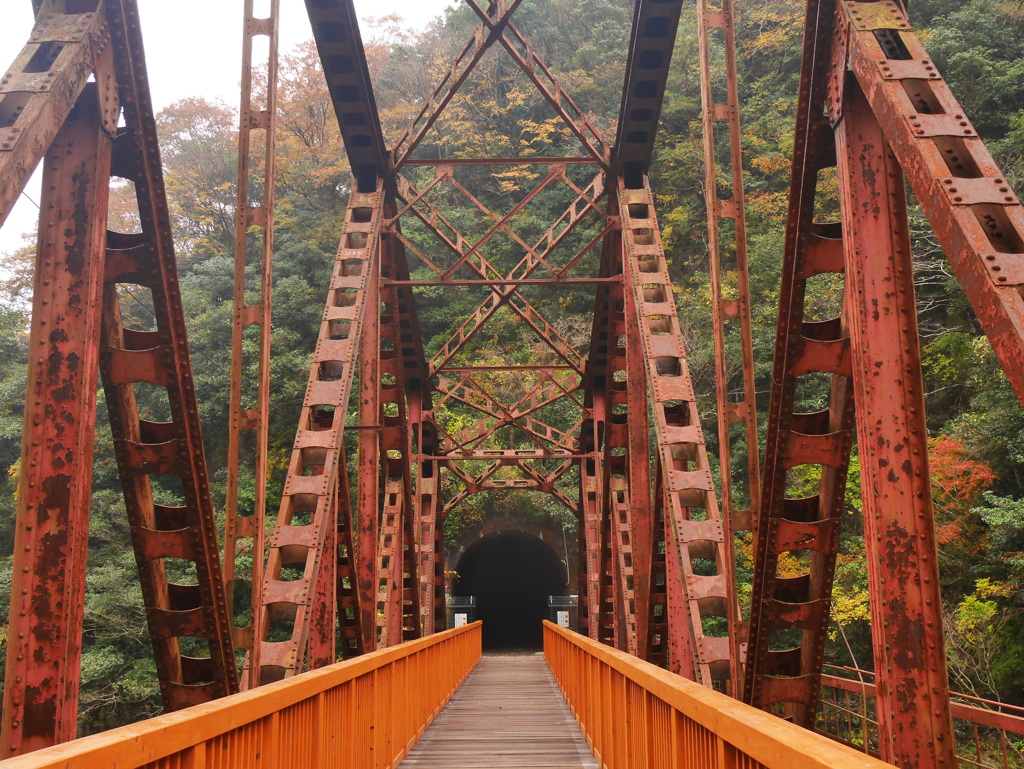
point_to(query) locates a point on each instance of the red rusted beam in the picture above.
(977, 218)
(665, 597)
(641, 504)
(789, 679)
(321, 650)
(146, 448)
(250, 524)
(396, 430)
(349, 620)
(310, 489)
(42, 85)
(693, 522)
(368, 483)
(390, 561)
(915, 729)
(44, 639)
(734, 368)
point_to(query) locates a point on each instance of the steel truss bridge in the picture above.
(605, 422)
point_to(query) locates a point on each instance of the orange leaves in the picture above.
(770, 164)
(958, 481)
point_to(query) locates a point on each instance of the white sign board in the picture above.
(461, 619)
(563, 619)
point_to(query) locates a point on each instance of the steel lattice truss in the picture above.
(603, 420)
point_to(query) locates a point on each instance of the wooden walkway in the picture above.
(508, 713)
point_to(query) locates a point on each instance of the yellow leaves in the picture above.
(777, 24)
(853, 606)
(13, 474)
(988, 588)
(510, 179)
(790, 566)
(770, 164)
(850, 598)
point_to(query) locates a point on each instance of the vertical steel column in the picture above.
(793, 611)
(321, 650)
(249, 524)
(189, 617)
(429, 540)
(350, 636)
(618, 598)
(728, 279)
(52, 530)
(662, 595)
(593, 439)
(397, 434)
(590, 523)
(914, 724)
(694, 536)
(641, 524)
(618, 504)
(311, 486)
(390, 563)
(368, 481)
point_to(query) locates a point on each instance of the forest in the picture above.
(976, 423)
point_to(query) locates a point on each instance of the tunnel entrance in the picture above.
(511, 574)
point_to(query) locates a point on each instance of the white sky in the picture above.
(193, 48)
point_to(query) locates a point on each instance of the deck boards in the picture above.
(508, 713)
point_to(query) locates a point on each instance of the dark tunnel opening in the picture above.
(511, 574)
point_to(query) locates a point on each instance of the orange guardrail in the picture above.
(635, 714)
(366, 712)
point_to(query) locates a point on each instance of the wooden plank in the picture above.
(508, 713)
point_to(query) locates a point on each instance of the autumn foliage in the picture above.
(958, 481)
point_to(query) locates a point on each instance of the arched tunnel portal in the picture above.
(511, 574)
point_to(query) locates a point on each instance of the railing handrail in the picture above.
(147, 742)
(988, 717)
(990, 705)
(767, 739)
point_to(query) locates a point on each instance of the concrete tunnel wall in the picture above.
(511, 573)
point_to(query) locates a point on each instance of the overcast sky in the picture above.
(193, 48)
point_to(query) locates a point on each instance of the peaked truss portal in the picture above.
(506, 395)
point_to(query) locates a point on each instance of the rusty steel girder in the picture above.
(695, 543)
(915, 727)
(730, 284)
(51, 538)
(307, 519)
(889, 113)
(144, 448)
(244, 529)
(83, 270)
(793, 611)
(42, 85)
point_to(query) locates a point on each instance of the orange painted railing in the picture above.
(366, 713)
(637, 715)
